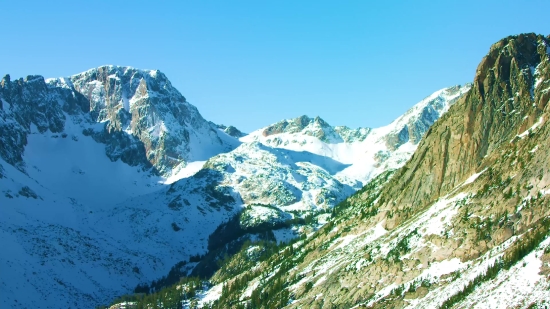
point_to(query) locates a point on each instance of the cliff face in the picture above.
(30, 102)
(461, 222)
(416, 122)
(509, 95)
(145, 105)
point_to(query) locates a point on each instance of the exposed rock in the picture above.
(147, 106)
(416, 123)
(317, 127)
(230, 130)
(498, 107)
(462, 224)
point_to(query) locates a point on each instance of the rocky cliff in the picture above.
(508, 96)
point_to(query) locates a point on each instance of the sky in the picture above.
(253, 63)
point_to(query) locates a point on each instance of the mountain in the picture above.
(138, 114)
(368, 152)
(463, 224)
(71, 148)
(110, 178)
(264, 186)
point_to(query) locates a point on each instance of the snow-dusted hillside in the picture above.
(302, 166)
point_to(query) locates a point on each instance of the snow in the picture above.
(126, 103)
(439, 217)
(519, 286)
(335, 259)
(532, 128)
(186, 171)
(382, 293)
(345, 240)
(51, 242)
(81, 229)
(438, 269)
(468, 271)
(359, 156)
(102, 220)
(285, 235)
(473, 178)
(210, 295)
(76, 166)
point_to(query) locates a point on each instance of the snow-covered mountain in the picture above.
(110, 177)
(144, 104)
(291, 169)
(364, 152)
(72, 147)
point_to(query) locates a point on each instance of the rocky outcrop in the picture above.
(288, 126)
(508, 96)
(30, 103)
(416, 121)
(144, 104)
(229, 130)
(349, 135)
(463, 222)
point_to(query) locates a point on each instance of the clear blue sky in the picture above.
(253, 63)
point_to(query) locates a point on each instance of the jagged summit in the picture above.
(314, 127)
(145, 120)
(305, 125)
(508, 96)
(414, 123)
(409, 127)
(230, 130)
(92, 147)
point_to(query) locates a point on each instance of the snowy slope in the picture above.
(304, 165)
(54, 256)
(297, 178)
(58, 255)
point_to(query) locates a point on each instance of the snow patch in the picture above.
(532, 128)
(184, 170)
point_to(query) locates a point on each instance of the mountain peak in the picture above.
(509, 95)
(294, 125)
(144, 119)
(229, 130)
(316, 127)
(508, 56)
